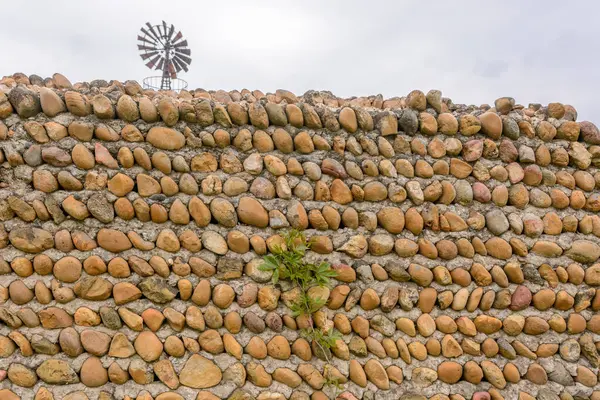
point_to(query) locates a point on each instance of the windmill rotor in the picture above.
(164, 50)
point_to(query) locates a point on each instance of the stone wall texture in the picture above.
(465, 239)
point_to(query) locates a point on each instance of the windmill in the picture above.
(164, 50)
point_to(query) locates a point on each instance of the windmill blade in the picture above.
(183, 51)
(171, 31)
(180, 63)
(160, 64)
(181, 44)
(157, 37)
(184, 59)
(177, 37)
(147, 48)
(152, 62)
(143, 39)
(150, 35)
(146, 56)
(165, 31)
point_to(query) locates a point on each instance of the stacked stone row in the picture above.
(134, 223)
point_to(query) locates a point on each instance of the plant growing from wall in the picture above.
(286, 262)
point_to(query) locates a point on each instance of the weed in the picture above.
(306, 305)
(325, 339)
(286, 262)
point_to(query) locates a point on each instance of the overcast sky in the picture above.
(474, 51)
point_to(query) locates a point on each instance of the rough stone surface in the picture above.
(133, 227)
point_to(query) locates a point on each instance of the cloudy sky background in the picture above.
(474, 51)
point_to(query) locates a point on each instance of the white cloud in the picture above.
(473, 51)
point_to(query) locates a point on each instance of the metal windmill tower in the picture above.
(165, 51)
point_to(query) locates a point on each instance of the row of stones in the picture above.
(94, 374)
(416, 99)
(444, 192)
(228, 268)
(43, 393)
(36, 240)
(579, 155)
(532, 175)
(69, 270)
(520, 194)
(267, 298)
(393, 219)
(287, 187)
(28, 103)
(360, 344)
(230, 162)
(120, 268)
(544, 393)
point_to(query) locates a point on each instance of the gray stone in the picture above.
(464, 192)
(588, 348)
(510, 128)
(56, 157)
(408, 121)
(505, 349)
(496, 222)
(532, 275)
(157, 290)
(274, 321)
(434, 100)
(408, 297)
(560, 375)
(254, 323)
(526, 154)
(229, 268)
(365, 274)
(547, 394)
(54, 209)
(235, 373)
(516, 223)
(570, 350)
(33, 155)
(110, 318)
(389, 299)
(25, 102)
(41, 345)
(397, 271)
(415, 193)
(100, 208)
(353, 298)
(583, 299)
(383, 325)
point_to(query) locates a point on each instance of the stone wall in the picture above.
(465, 241)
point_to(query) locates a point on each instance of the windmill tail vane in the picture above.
(164, 49)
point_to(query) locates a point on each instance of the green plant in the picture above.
(306, 305)
(332, 381)
(325, 339)
(286, 262)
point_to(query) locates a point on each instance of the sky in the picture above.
(473, 51)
